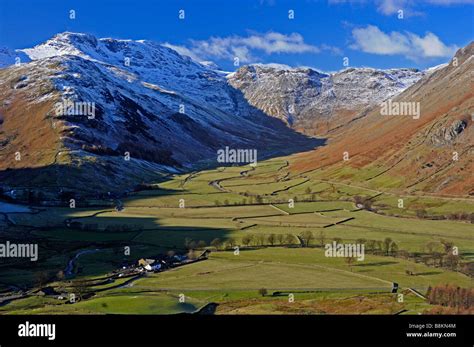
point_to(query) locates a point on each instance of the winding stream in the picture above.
(71, 263)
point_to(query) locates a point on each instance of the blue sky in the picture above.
(322, 33)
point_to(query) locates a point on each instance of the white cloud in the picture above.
(371, 39)
(182, 50)
(390, 7)
(386, 7)
(247, 48)
(449, 2)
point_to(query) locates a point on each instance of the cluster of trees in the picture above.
(307, 192)
(386, 247)
(441, 254)
(251, 200)
(461, 216)
(468, 268)
(84, 226)
(452, 296)
(258, 199)
(191, 244)
(257, 240)
(305, 239)
(108, 228)
(123, 227)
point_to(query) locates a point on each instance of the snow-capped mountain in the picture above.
(146, 61)
(149, 101)
(163, 109)
(301, 95)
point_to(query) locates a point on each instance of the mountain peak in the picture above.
(66, 43)
(139, 53)
(464, 53)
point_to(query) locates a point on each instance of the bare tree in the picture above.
(349, 261)
(201, 244)
(387, 244)
(41, 279)
(280, 238)
(448, 246)
(289, 239)
(451, 261)
(247, 239)
(271, 239)
(306, 236)
(322, 238)
(421, 213)
(394, 248)
(230, 243)
(216, 243)
(431, 246)
(81, 287)
(371, 245)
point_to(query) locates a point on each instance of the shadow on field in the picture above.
(96, 243)
(428, 273)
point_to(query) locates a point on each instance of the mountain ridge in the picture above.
(169, 112)
(162, 108)
(313, 102)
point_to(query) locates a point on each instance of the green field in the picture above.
(232, 204)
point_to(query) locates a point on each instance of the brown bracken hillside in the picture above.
(402, 153)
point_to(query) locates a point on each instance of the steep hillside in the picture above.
(432, 154)
(128, 97)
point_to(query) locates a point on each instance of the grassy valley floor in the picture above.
(252, 219)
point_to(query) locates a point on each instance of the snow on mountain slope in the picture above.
(146, 60)
(306, 96)
(148, 101)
